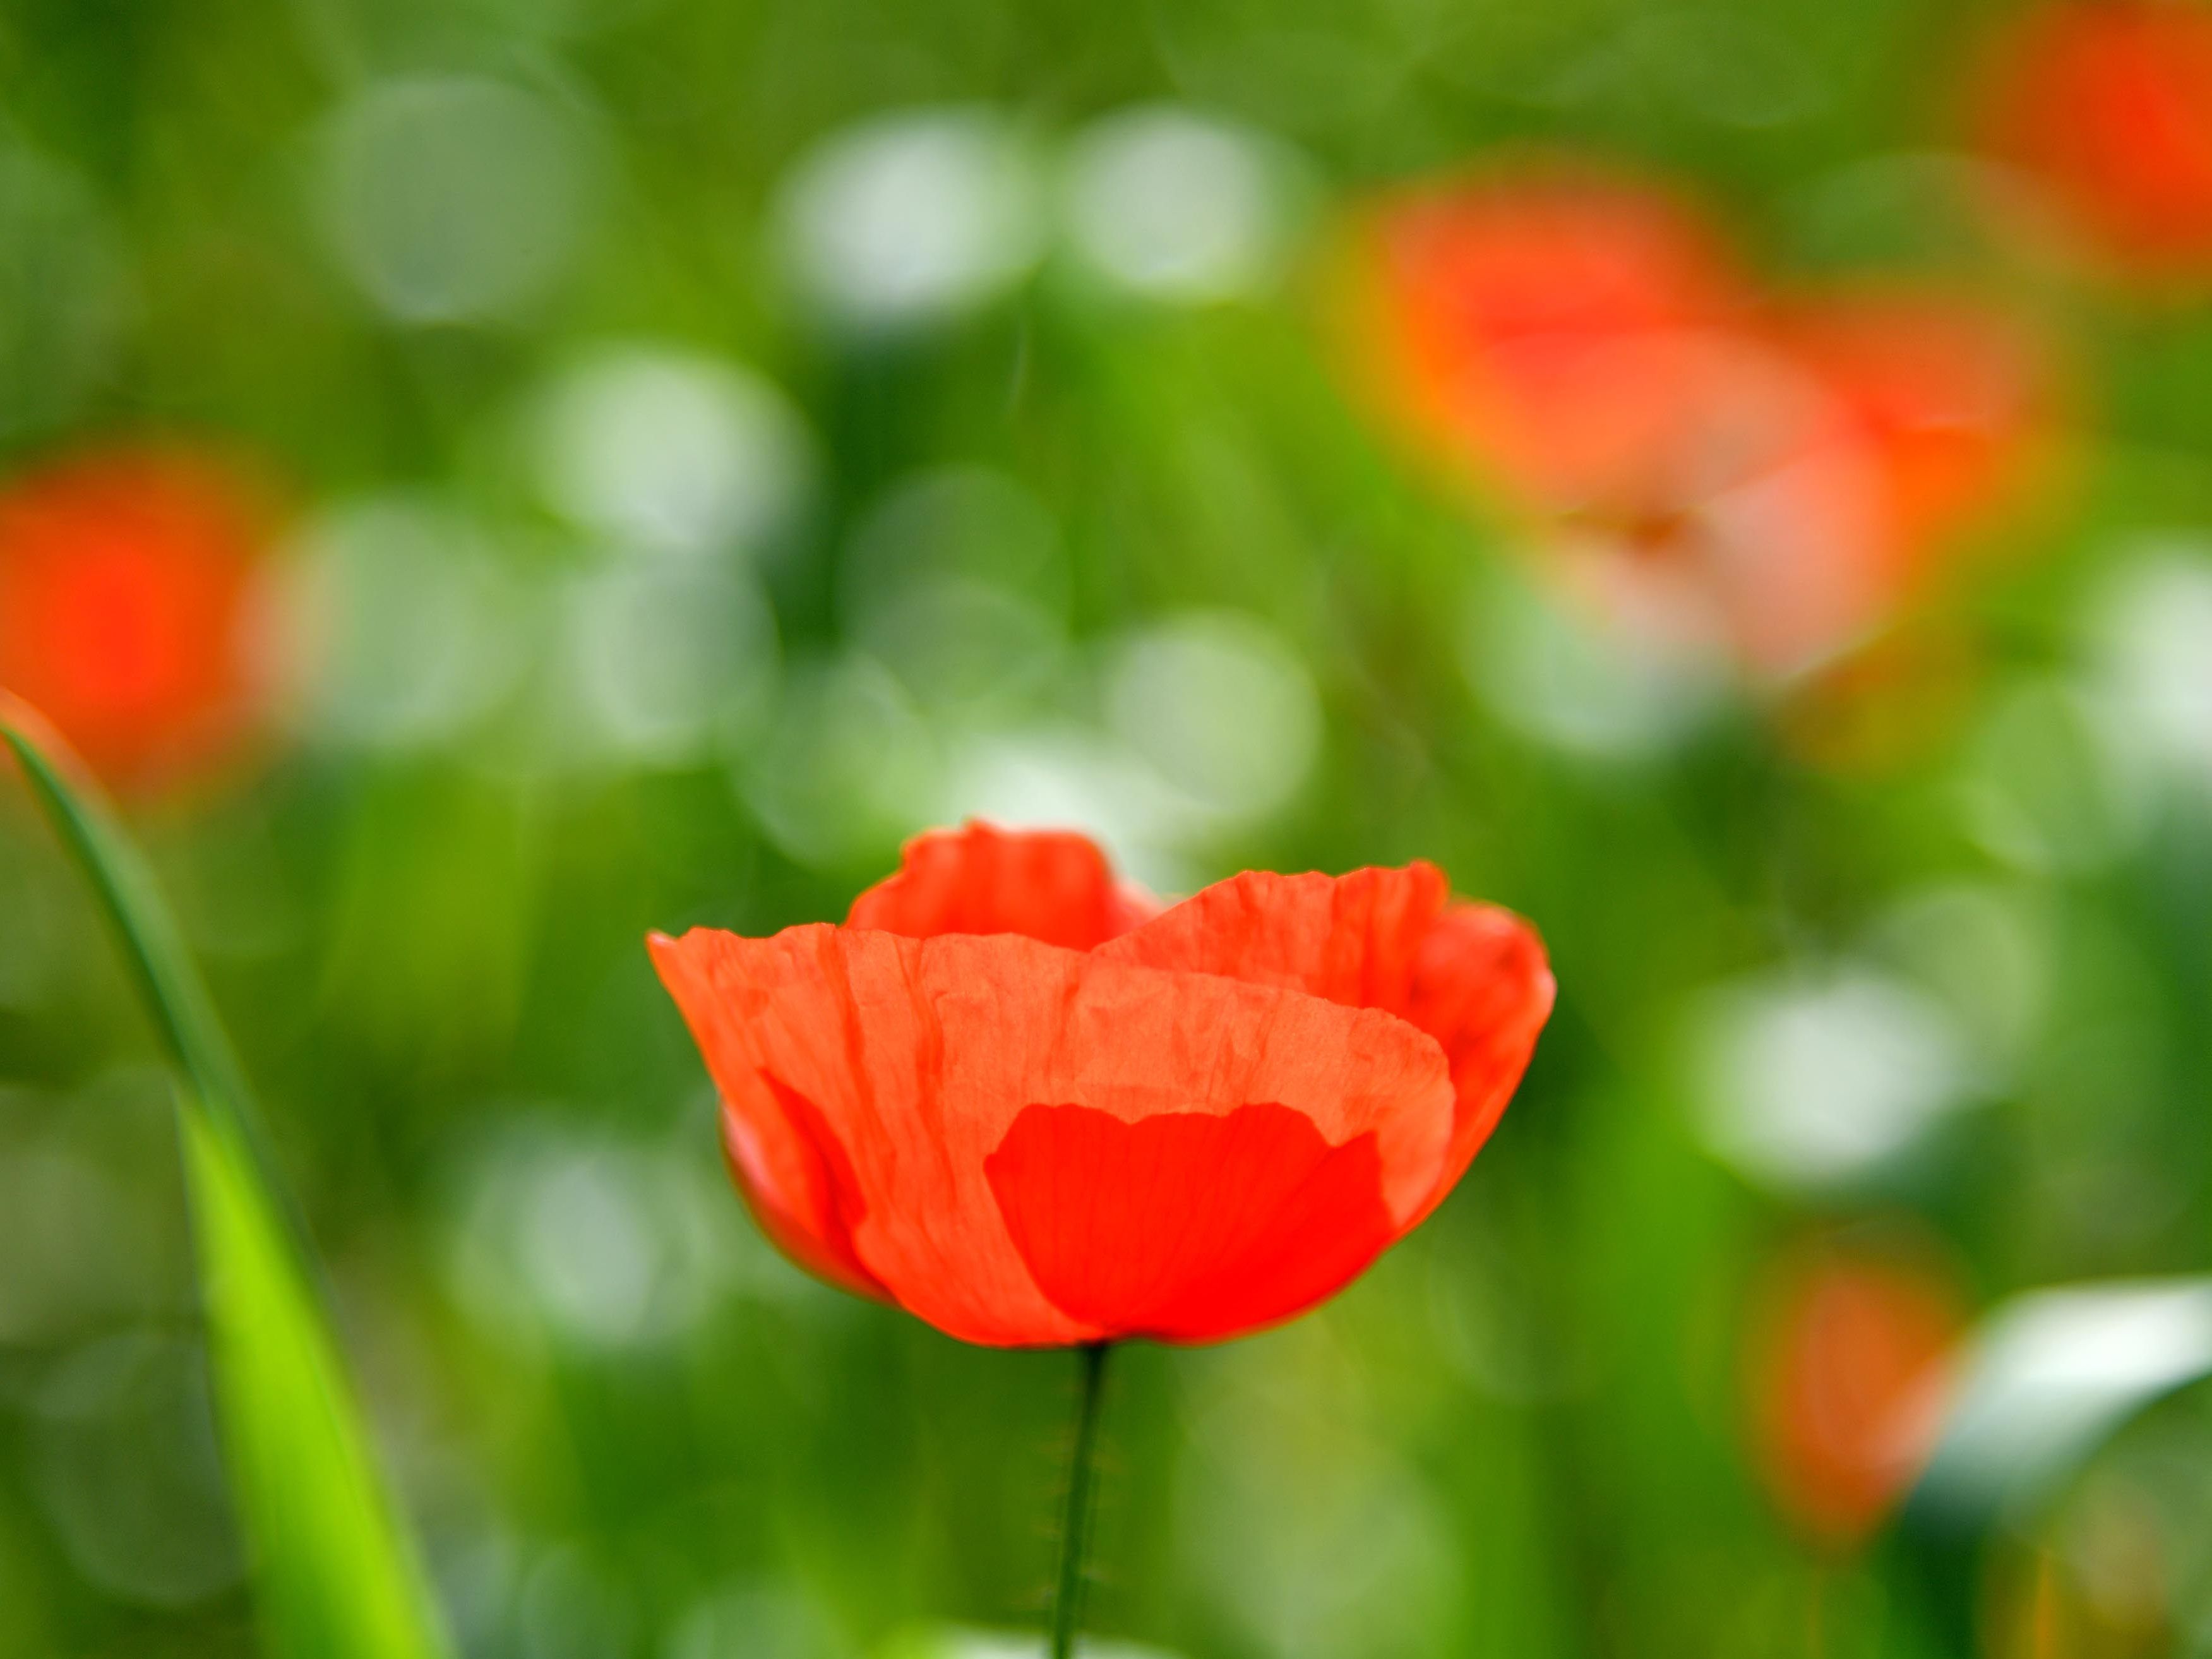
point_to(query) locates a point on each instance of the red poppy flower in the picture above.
(123, 584)
(1020, 1102)
(1842, 1362)
(2109, 107)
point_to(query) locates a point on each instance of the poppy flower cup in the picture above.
(1025, 1103)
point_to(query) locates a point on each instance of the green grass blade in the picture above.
(337, 1576)
(175, 998)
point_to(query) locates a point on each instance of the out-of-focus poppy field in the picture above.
(483, 480)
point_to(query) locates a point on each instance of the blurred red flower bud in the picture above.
(125, 576)
(2107, 105)
(1017, 1100)
(1846, 1350)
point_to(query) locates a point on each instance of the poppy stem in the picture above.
(1075, 1528)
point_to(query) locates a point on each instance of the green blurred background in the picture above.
(712, 442)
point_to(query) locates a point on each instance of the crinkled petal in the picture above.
(1052, 885)
(918, 1056)
(1351, 939)
(1472, 976)
(1483, 988)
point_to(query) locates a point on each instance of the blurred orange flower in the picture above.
(1701, 464)
(124, 582)
(2108, 106)
(1844, 1351)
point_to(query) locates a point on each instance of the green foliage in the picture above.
(522, 725)
(337, 1576)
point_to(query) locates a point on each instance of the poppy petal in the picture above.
(1052, 885)
(1187, 1226)
(1483, 988)
(1472, 976)
(922, 1054)
(823, 1191)
(795, 1173)
(1349, 939)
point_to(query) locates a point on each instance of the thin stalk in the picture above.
(1075, 1528)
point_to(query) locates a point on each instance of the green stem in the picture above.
(1075, 1528)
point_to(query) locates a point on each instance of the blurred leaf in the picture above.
(337, 1576)
(2049, 1377)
